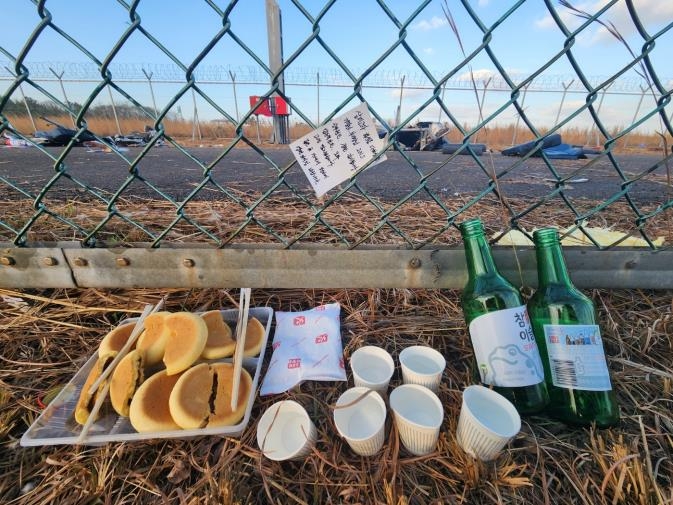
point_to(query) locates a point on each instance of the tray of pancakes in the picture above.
(174, 382)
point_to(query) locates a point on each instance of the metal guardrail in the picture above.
(72, 266)
(257, 264)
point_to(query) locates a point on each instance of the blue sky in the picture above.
(358, 32)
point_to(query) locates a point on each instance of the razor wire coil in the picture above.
(192, 78)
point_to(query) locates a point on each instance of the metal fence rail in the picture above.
(43, 231)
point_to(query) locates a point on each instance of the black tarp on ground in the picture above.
(552, 147)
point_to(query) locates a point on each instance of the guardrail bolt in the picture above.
(123, 262)
(188, 262)
(49, 261)
(80, 262)
(8, 261)
(415, 263)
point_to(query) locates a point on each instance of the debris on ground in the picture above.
(10, 140)
(59, 135)
(137, 139)
(553, 148)
(423, 136)
(477, 149)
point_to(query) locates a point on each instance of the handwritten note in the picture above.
(335, 151)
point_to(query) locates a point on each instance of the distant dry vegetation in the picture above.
(214, 132)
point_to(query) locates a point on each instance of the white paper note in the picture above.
(335, 151)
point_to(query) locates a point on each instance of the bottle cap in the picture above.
(546, 236)
(471, 227)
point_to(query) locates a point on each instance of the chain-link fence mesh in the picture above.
(241, 188)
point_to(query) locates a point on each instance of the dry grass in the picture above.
(45, 336)
(353, 216)
(209, 132)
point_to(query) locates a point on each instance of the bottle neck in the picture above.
(477, 252)
(551, 266)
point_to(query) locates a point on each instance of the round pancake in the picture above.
(152, 341)
(187, 338)
(86, 400)
(222, 414)
(116, 338)
(202, 396)
(149, 407)
(220, 343)
(254, 337)
(126, 378)
(189, 402)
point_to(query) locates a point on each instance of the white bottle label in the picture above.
(505, 348)
(576, 357)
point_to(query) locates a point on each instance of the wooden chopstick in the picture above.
(241, 328)
(149, 309)
(92, 416)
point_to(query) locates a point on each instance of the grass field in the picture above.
(215, 132)
(46, 334)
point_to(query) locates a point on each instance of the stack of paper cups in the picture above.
(487, 422)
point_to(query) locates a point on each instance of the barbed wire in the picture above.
(228, 74)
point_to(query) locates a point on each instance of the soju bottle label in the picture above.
(576, 357)
(505, 348)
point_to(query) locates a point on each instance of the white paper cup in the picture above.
(422, 365)
(487, 422)
(418, 417)
(286, 432)
(372, 368)
(360, 418)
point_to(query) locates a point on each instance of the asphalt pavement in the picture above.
(168, 171)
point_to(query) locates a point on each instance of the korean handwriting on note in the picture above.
(335, 151)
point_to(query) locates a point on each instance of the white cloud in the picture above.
(482, 74)
(409, 93)
(570, 20)
(428, 50)
(431, 24)
(650, 12)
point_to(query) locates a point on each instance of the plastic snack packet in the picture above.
(306, 346)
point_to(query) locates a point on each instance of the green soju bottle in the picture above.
(564, 323)
(504, 346)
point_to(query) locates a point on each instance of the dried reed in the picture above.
(46, 335)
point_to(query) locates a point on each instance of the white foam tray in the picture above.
(57, 426)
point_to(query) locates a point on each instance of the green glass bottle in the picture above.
(504, 346)
(569, 339)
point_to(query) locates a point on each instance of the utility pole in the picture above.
(275, 40)
(65, 97)
(398, 115)
(233, 85)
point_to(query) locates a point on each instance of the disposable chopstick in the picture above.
(94, 411)
(149, 309)
(241, 328)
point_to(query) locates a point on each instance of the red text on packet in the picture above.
(294, 363)
(299, 321)
(275, 345)
(321, 339)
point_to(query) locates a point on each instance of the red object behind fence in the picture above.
(269, 106)
(262, 109)
(281, 106)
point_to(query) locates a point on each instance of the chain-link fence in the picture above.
(239, 191)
